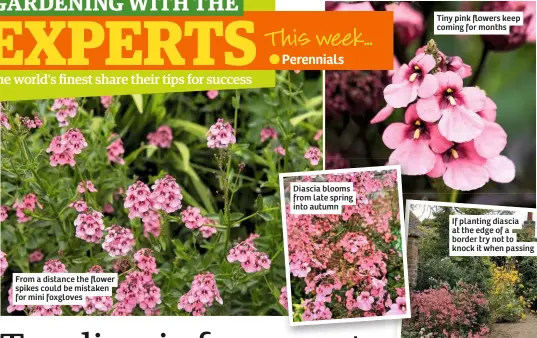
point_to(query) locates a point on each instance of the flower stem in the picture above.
(454, 195)
(480, 66)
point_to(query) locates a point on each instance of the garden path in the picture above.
(526, 328)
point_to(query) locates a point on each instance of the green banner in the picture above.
(32, 85)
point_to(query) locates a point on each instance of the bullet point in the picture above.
(274, 59)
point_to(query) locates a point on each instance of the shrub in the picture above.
(505, 305)
(527, 266)
(458, 312)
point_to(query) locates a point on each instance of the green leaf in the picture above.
(132, 156)
(312, 114)
(240, 146)
(185, 153)
(150, 150)
(259, 203)
(266, 216)
(235, 216)
(190, 127)
(139, 102)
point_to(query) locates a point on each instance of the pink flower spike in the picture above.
(455, 107)
(280, 150)
(411, 81)
(411, 143)
(220, 135)
(79, 206)
(4, 121)
(3, 263)
(106, 101)
(267, 133)
(4, 212)
(161, 138)
(115, 150)
(36, 256)
(313, 154)
(86, 186)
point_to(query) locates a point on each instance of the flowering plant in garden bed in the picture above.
(177, 193)
(349, 265)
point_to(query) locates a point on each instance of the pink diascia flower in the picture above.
(96, 303)
(138, 199)
(29, 202)
(411, 81)
(3, 263)
(86, 186)
(280, 150)
(65, 108)
(192, 218)
(315, 311)
(145, 261)
(11, 307)
(36, 256)
(161, 138)
(65, 147)
(247, 255)
(138, 289)
(166, 195)
(206, 230)
(79, 206)
(267, 133)
(106, 101)
(411, 143)
(90, 226)
(462, 168)
(118, 241)
(220, 135)
(283, 298)
(4, 212)
(456, 108)
(202, 295)
(108, 208)
(398, 308)
(152, 223)
(313, 154)
(115, 150)
(4, 121)
(54, 266)
(212, 94)
(365, 301)
(29, 123)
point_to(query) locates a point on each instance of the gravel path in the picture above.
(526, 328)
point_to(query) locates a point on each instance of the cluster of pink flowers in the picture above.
(193, 220)
(247, 255)
(65, 147)
(86, 186)
(118, 241)
(79, 206)
(54, 266)
(313, 154)
(96, 303)
(139, 288)
(337, 254)
(201, 295)
(36, 256)
(267, 133)
(65, 108)
(283, 297)
(280, 150)
(3, 263)
(449, 130)
(28, 204)
(4, 209)
(89, 226)
(152, 223)
(220, 135)
(161, 138)
(4, 121)
(166, 196)
(448, 312)
(115, 150)
(106, 101)
(29, 123)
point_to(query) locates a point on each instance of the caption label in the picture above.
(476, 23)
(326, 198)
(487, 235)
(61, 288)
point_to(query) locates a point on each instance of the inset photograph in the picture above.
(469, 296)
(346, 263)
